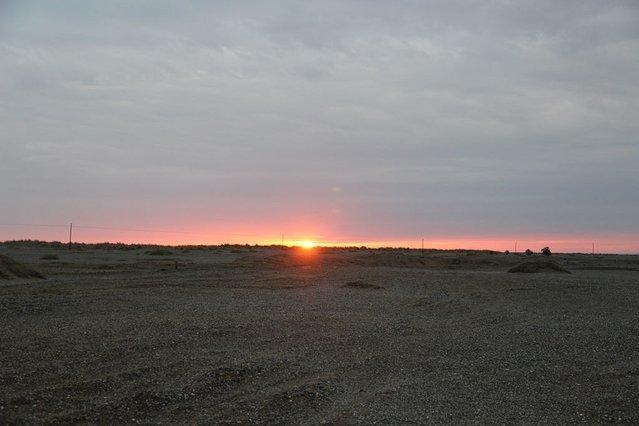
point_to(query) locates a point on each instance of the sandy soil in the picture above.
(267, 335)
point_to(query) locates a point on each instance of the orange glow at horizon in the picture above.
(309, 234)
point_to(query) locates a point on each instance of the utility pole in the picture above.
(515, 247)
(422, 247)
(70, 234)
(593, 248)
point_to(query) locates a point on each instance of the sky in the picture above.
(466, 123)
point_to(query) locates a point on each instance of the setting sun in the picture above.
(308, 244)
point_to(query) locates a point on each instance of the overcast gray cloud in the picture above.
(376, 119)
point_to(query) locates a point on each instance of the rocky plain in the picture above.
(244, 334)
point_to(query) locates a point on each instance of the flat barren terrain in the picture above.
(254, 335)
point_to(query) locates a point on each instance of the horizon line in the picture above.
(318, 245)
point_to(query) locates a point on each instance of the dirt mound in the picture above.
(290, 259)
(332, 259)
(607, 268)
(10, 268)
(362, 284)
(399, 260)
(541, 265)
(158, 252)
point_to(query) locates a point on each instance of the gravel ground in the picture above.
(242, 336)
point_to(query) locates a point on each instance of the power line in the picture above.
(108, 228)
(32, 224)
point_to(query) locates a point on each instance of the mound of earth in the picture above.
(374, 259)
(10, 268)
(607, 268)
(362, 284)
(390, 259)
(540, 265)
(399, 259)
(158, 252)
(290, 259)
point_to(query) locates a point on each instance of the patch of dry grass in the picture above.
(10, 268)
(538, 265)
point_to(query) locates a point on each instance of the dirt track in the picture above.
(344, 337)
